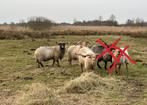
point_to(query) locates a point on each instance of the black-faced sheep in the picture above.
(98, 49)
(45, 53)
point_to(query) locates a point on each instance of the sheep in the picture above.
(73, 49)
(45, 53)
(105, 58)
(123, 59)
(97, 49)
(86, 58)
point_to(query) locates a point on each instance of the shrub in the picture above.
(39, 23)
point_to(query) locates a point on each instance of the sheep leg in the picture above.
(98, 64)
(106, 65)
(119, 69)
(127, 68)
(70, 61)
(116, 71)
(53, 62)
(92, 68)
(39, 63)
(81, 67)
(112, 65)
(58, 63)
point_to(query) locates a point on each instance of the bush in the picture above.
(39, 23)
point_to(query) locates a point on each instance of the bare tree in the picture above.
(100, 18)
(112, 18)
(39, 23)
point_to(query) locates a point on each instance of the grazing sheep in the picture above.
(123, 59)
(86, 58)
(73, 50)
(98, 49)
(105, 58)
(45, 53)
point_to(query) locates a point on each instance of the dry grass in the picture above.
(18, 32)
(17, 65)
(90, 81)
(15, 28)
(140, 32)
(38, 94)
(92, 89)
(102, 28)
(79, 28)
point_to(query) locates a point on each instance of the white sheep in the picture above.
(86, 58)
(45, 53)
(73, 50)
(123, 59)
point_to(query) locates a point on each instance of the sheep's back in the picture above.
(86, 51)
(70, 49)
(97, 49)
(44, 52)
(73, 50)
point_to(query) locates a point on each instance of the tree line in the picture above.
(41, 23)
(111, 22)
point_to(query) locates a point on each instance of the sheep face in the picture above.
(116, 53)
(62, 46)
(123, 59)
(90, 62)
(62, 49)
(92, 57)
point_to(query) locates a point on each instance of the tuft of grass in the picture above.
(38, 94)
(90, 81)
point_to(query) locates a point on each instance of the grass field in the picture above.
(18, 70)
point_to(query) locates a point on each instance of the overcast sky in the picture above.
(67, 10)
